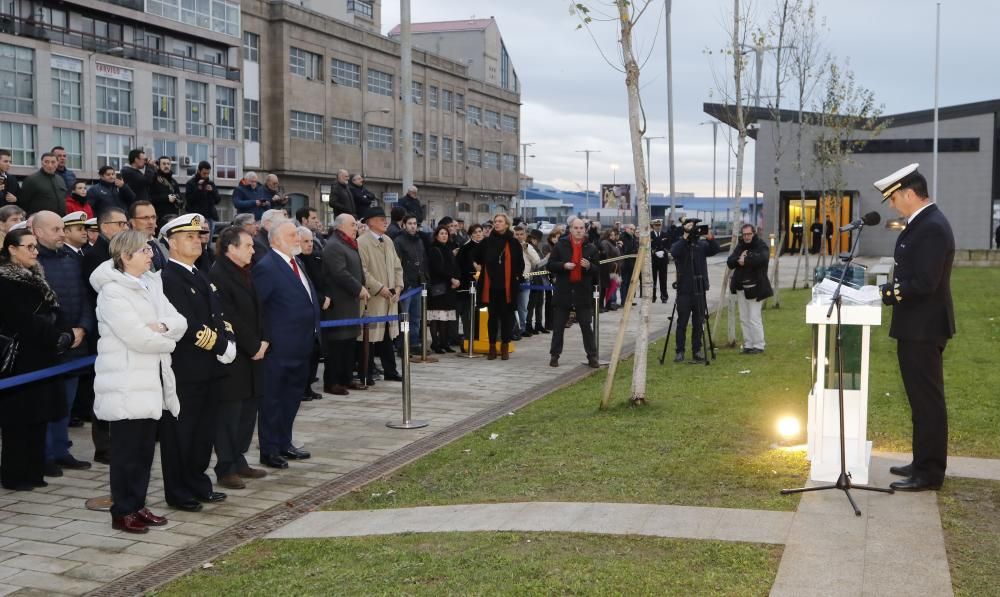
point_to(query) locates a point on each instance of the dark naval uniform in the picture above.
(186, 441)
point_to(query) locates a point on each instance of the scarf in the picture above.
(351, 242)
(34, 277)
(576, 274)
(505, 260)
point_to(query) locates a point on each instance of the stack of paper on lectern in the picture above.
(866, 295)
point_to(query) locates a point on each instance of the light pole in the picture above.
(587, 152)
(524, 173)
(614, 174)
(715, 139)
(364, 138)
(649, 165)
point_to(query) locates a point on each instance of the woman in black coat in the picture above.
(442, 298)
(241, 391)
(468, 269)
(31, 313)
(502, 263)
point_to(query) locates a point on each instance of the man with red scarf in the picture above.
(573, 263)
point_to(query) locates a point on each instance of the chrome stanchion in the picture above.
(423, 357)
(404, 326)
(470, 334)
(597, 325)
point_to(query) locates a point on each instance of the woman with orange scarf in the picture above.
(502, 264)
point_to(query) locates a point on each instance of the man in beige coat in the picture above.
(384, 280)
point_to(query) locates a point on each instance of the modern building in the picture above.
(103, 77)
(968, 187)
(366, 14)
(323, 94)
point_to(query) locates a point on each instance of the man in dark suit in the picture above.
(291, 322)
(573, 263)
(659, 244)
(923, 319)
(142, 217)
(198, 363)
(344, 276)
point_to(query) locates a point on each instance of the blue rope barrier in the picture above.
(338, 323)
(33, 376)
(410, 292)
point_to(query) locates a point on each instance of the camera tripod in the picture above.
(700, 309)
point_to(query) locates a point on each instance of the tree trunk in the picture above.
(741, 143)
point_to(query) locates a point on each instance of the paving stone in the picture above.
(33, 520)
(41, 564)
(55, 583)
(193, 528)
(151, 550)
(6, 571)
(166, 538)
(6, 589)
(98, 573)
(99, 541)
(85, 515)
(91, 555)
(34, 497)
(39, 549)
(91, 528)
(32, 508)
(37, 534)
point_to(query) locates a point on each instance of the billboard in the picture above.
(616, 196)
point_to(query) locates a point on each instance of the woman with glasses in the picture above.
(134, 383)
(30, 317)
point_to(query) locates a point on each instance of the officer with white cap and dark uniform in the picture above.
(923, 320)
(74, 226)
(93, 231)
(208, 345)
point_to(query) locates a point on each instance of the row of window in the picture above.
(110, 149)
(221, 16)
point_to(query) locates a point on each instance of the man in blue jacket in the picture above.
(249, 197)
(110, 191)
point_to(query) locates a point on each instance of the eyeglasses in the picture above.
(748, 234)
(119, 223)
(147, 250)
(29, 248)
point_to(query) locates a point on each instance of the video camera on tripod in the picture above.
(695, 232)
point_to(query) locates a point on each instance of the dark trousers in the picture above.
(338, 370)
(233, 434)
(501, 321)
(280, 404)
(560, 315)
(548, 310)
(385, 351)
(186, 442)
(660, 277)
(22, 456)
(133, 442)
(313, 368)
(83, 406)
(921, 365)
(626, 280)
(100, 433)
(536, 304)
(688, 309)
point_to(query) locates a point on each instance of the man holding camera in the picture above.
(165, 193)
(750, 285)
(200, 194)
(690, 253)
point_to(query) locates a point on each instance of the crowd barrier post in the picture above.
(597, 325)
(470, 334)
(404, 327)
(423, 356)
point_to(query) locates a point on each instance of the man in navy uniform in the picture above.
(659, 244)
(186, 441)
(923, 320)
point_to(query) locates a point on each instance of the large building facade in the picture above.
(103, 77)
(323, 94)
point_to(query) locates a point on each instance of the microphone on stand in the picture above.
(869, 219)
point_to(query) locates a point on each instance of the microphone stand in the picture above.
(844, 480)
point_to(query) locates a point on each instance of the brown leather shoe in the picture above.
(232, 481)
(130, 523)
(336, 390)
(504, 351)
(492, 356)
(357, 385)
(251, 473)
(151, 519)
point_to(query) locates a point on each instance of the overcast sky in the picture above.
(573, 100)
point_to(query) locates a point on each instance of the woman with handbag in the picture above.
(502, 263)
(32, 336)
(442, 298)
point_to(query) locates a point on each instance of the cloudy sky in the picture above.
(573, 100)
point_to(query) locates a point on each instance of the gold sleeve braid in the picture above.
(206, 338)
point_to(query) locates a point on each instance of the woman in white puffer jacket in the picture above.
(134, 383)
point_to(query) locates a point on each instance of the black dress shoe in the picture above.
(75, 422)
(212, 498)
(294, 453)
(51, 469)
(393, 377)
(903, 471)
(273, 461)
(188, 506)
(68, 461)
(679, 357)
(102, 457)
(914, 484)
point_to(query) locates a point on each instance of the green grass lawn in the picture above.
(970, 515)
(488, 564)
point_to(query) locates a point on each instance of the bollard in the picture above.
(404, 327)
(470, 334)
(597, 325)
(422, 357)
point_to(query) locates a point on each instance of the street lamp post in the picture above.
(587, 152)
(715, 138)
(364, 138)
(524, 173)
(614, 174)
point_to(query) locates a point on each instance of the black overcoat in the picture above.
(244, 376)
(576, 295)
(344, 276)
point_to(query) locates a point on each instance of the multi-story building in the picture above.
(323, 94)
(103, 77)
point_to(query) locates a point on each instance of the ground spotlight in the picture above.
(789, 429)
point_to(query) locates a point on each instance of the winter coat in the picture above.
(363, 199)
(245, 376)
(133, 375)
(139, 180)
(412, 207)
(64, 273)
(466, 267)
(160, 189)
(489, 254)
(68, 177)
(568, 294)
(76, 203)
(382, 270)
(443, 268)
(31, 311)
(685, 276)
(245, 199)
(413, 256)
(751, 277)
(9, 184)
(198, 199)
(345, 277)
(42, 191)
(342, 202)
(103, 195)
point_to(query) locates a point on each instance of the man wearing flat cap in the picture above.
(384, 280)
(923, 320)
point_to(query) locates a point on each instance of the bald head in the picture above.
(49, 229)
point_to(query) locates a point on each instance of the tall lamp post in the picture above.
(614, 174)
(524, 173)
(587, 152)
(364, 139)
(715, 139)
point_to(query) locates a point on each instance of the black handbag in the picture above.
(9, 347)
(438, 289)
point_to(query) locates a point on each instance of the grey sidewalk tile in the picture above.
(837, 531)
(682, 522)
(93, 555)
(39, 549)
(98, 573)
(41, 564)
(37, 534)
(55, 583)
(547, 516)
(32, 520)
(6, 589)
(619, 519)
(109, 544)
(756, 526)
(487, 517)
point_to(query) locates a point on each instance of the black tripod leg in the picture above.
(805, 489)
(666, 339)
(870, 488)
(708, 328)
(857, 511)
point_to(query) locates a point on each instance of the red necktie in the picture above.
(295, 267)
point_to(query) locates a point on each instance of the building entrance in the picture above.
(816, 226)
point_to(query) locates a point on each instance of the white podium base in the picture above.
(823, 449)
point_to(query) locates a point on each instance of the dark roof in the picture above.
(727, 113)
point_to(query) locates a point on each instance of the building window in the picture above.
(379, 83)
(114, 101)
(446, 148)
(505, 67)
(509, 162)
(346, 132)
(72, 142)
(221, 16)
(345, 73)
(379, 138)
(67, 94)
(20, 140)
(447, 100)
(492, 119)
(196, 152)
(459, 151)
(196, 106)
(508, 124)
(303, 125)
(225, 163)
(418, 92)
(474, 115)
(112, 150)
(459, 101)
(363, 8)
(164, 148)
(225, 112)
(251, 120)
(17, 79)
(251, 47)
(475, 157)
(491, 160)
(432, 96)
(305, 64)
(418, 143)
(164, 103)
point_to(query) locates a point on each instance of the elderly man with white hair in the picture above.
(261, 241)
(411, 204)
(248, 198)
(341, 200)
